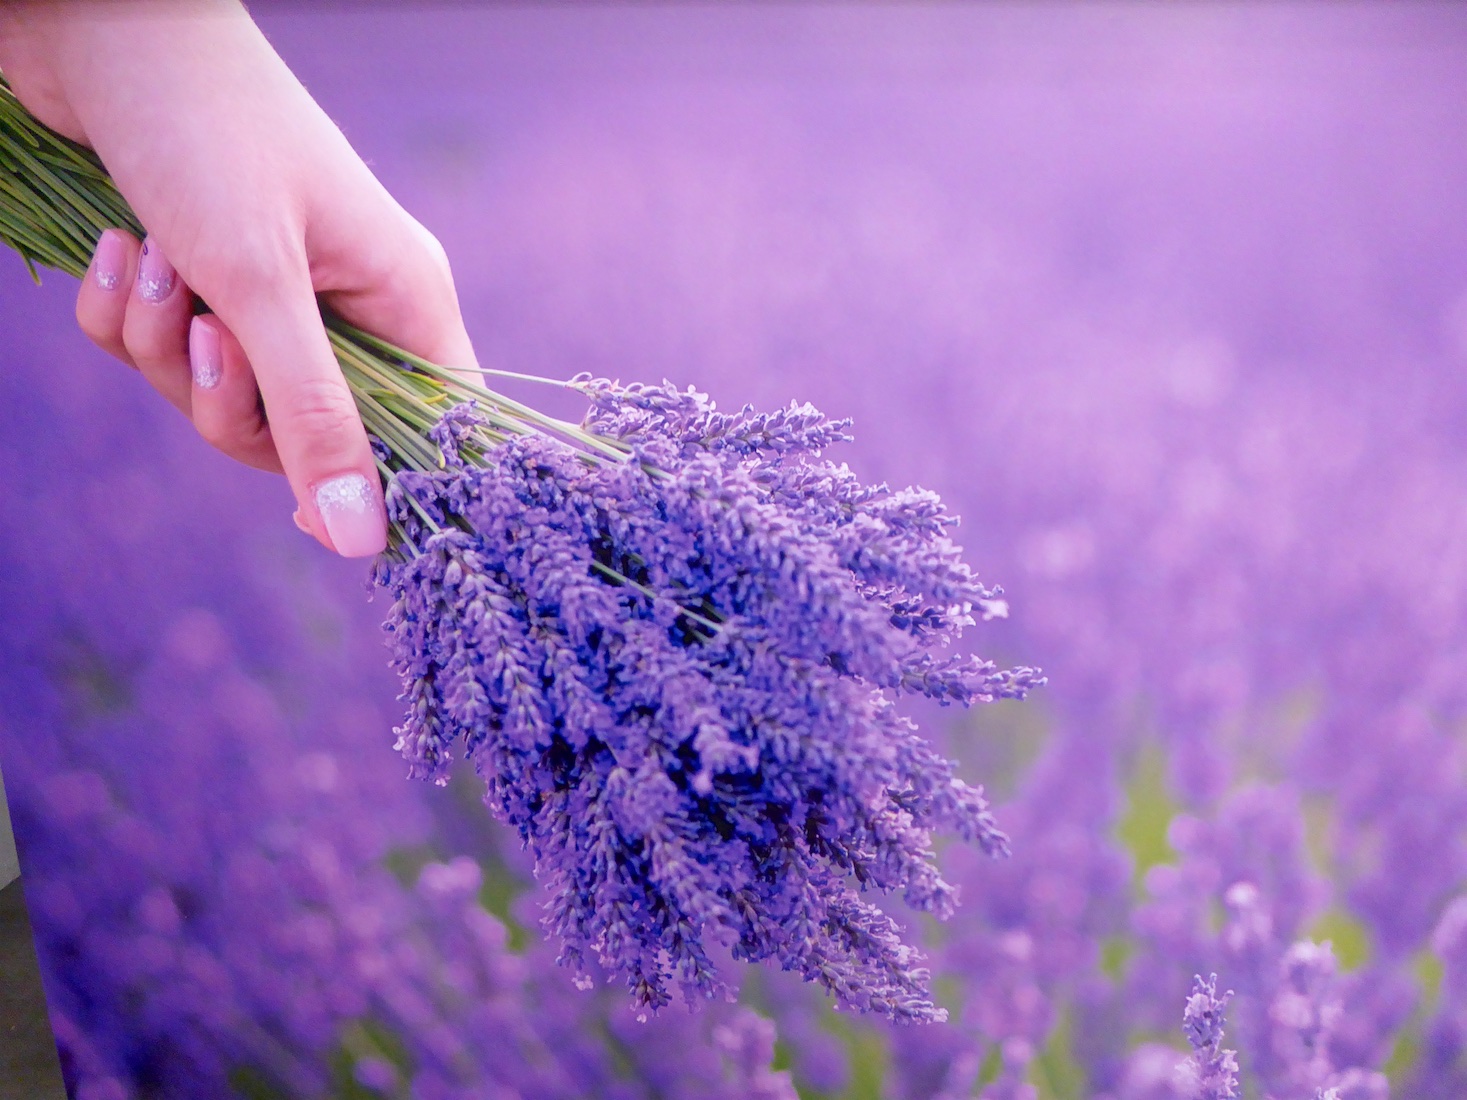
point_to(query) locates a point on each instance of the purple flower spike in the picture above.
(677, 674)
(1213, 1071)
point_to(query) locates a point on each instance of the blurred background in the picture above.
(1168, 302)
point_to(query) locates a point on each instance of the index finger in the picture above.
(313, 417)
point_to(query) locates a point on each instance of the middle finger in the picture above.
(155, 328)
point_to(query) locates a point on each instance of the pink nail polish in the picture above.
(353, 516)
(108, 260)
(204, 359)
(155, 274)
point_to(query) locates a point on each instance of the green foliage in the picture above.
(406, 864)
(248, 1083)
(947, 991)
(1142, 827)
(1406, 1050)
(868, 1056)
(1346, 934)
(1055, 1073)
(997, 745)
(1405, 1053)
(1115, 954)
(361, 1040)
(1429, 972)
(1319, 826)
(498, 894)
(989, 1070)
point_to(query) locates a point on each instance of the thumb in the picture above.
(397, 284)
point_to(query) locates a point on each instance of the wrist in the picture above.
(28, 40)
(79, 64)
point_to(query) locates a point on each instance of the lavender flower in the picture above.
(1304, 1010)
(1213, 1069)
(676, 673)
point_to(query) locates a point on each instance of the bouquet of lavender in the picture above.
(670, 639)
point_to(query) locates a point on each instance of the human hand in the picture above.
(255, 202)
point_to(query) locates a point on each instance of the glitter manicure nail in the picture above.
(109, 260)
(155, 274)
(353, 519)
(204, 359)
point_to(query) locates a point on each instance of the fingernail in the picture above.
(155, 274)
(108, 260)
(353, 518)
(204, 360)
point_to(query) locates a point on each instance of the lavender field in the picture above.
(1170, 304)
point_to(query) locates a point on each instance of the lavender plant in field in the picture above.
(1248, 863)
(674, 660)
(1214, 1069)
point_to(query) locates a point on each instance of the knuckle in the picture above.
(435, 256)
(320, 412)
(148, 341)
(255, 267)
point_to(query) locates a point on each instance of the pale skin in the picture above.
(255, 203)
